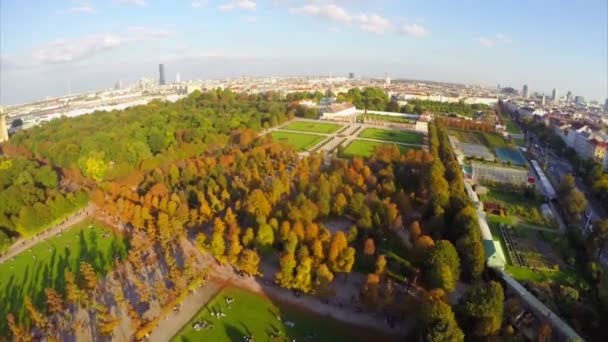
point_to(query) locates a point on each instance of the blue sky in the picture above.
(49, 47)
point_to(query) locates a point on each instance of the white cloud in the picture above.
(499, 38)
(487, 42)
(504, 38)
(65, 51)
(415, 30)
(330, 12)
(149, 33)
(82, 7)
(199, 4)
(141, 3)
(238, 5)
(374, 23)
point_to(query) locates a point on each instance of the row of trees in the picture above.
(461, 108)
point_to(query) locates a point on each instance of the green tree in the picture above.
(442, 266)
(438, 323)
(480, 309)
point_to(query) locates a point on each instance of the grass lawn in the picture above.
(252, 314)
(43, 265)
(365, 149)
(314, 127)
(301, 142)
(490, 140)
(392, 135)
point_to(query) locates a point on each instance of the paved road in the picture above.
(25, 244)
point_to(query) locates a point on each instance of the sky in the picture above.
(50, 48)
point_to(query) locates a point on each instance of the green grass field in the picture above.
(490, 140)
(252, 314)
(314, 127)
(43, 265)
(301, 142)
(365, 149)
(392, 135)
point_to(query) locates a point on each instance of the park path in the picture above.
(338, 307)
(173, 323)
(24, 244)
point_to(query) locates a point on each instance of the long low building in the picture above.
(544, 181)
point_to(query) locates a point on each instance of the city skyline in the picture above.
(100, 42)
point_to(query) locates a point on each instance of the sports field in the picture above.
(365, 149)
(300, 141)
(254, 315)
(511, 155)
(392, 135)
(490, 140)
(42, 266)
(314, 127)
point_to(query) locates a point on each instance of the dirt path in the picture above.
(22, 245)
(173, 323)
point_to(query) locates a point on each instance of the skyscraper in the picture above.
(542, 102)
(524, 91)
(555, 95)
(178, 78)
(606, 106)
(351, 75)
(569, 96)
(3, 128)
(161, 70)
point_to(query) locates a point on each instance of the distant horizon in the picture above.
(93, 43)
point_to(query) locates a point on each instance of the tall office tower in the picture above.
(542, 101)
(161, 70)
(118, 85)
(579, 100)
(387, 80)
(555, 96)
(3, 128)
(524, 91)
(351, 75)
(569, 96)
(606, 105)
(178, 78)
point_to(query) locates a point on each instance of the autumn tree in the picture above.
(89, 276)
(257, 204)
(369, 247)
(370, 291)
(380, 265)
(323, 280)
(36, 316)
(284, 277)
(217, 247)
(336, 247)
(54, 302)
(303, 276)
(249, 262)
